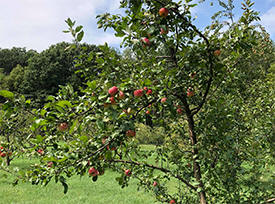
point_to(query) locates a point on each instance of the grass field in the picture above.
(81, 190)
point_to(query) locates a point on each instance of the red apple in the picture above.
(217, 53)
(149, 92)
(93, 172)
(128, 172)
(121, 95)
(190, 92)
(112, 100)
(63, 126)
(50, 164)
(112, 91)
(148, 112)
(3, 154)
(163, 100)
(155, 183)
(179, 111)
(172, 201)
(40, 151)
(146, 41)
(130, 133)
(145, 88)
(163, 12)
(138, 93)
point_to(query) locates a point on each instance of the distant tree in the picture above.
(51, 68)
(14, 80)
(10, 58)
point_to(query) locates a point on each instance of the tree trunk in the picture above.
(196, 165)
(8, 160)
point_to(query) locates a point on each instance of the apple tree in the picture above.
(179, 78)
(15, 116)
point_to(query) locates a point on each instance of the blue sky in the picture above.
(36, 24)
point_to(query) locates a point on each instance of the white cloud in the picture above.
(36, 24)
(268, 21)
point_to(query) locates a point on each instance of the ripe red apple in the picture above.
(1, 147)
(163, 100)
(190, 92)
(148, 112)
(112, 91)
(217, 53)
(172, 201)
(163, 12)
(145, 88)
(50, 164)
(130, 133)
(63, 126)
(149, 92)
(155, 183)
(121, 95)
(179, 111)
(93, 172)
(112, 100)
(40, 151)
(128, 172)
(138, 93)
(146, 41)
(3, 154)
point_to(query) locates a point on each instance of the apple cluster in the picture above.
(163, 12)
(4, 153)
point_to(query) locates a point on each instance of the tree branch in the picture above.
(210, 55)
(157, 168)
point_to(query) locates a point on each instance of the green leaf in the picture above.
(65, 187)
(64, 103)
(80, 36)
(94, 178)
(69, 22)
(78, 28)
(39, 138)
(92, 84)
(6, 94)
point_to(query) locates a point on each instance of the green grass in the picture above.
(81, 190)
